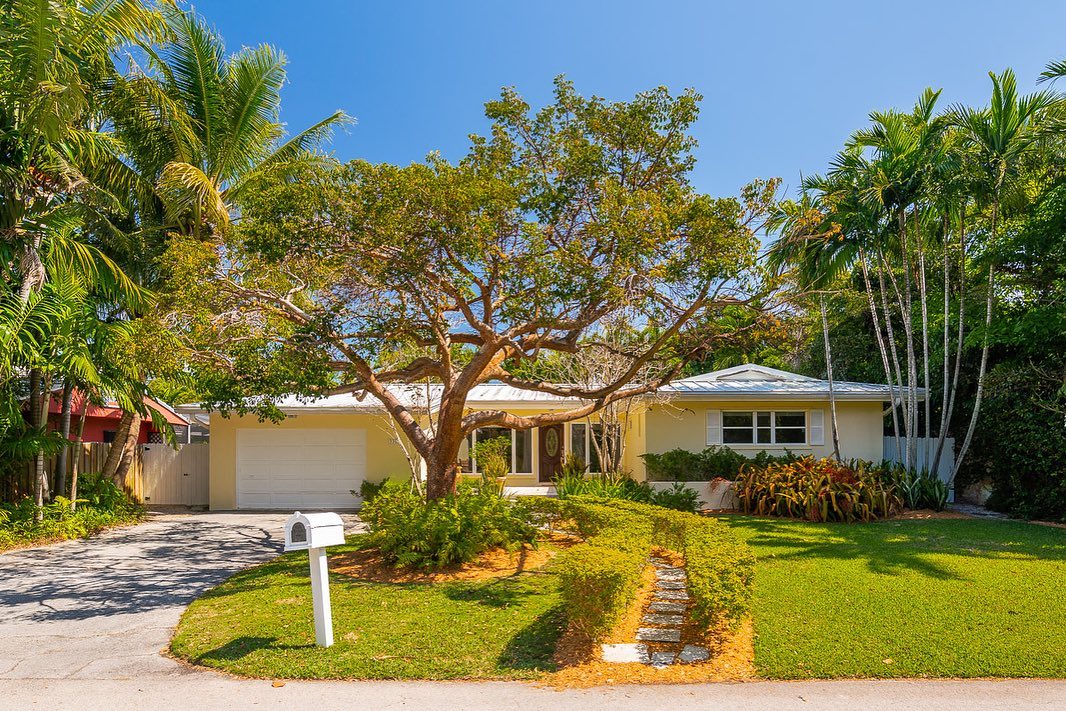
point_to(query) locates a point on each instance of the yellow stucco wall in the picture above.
(683, 425)
(384, 457)
(662, 427)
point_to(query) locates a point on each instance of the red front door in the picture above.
(551, 451)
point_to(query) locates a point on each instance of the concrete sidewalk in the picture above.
(205, 690)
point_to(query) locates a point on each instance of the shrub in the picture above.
(411, 531)
(678, 497)
(720, 571)
(712, 463)
(922, 490)
(369, 490)
(818, 490)
(103, 505)
(600, 578)
(603, 486)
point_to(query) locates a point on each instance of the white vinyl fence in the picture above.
(926, 452)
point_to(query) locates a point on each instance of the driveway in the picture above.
(103, 608)
(82, 624)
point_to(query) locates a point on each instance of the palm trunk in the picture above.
(907, 308)
(985, 341)
(922, 295)
(38, 457)
(881, 347)
(114, 453)
(945, 416)
(77, 455)
(64, 430)
(829, 378)
(129, 449)
(904, 405)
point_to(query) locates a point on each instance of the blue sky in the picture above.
(784, 82)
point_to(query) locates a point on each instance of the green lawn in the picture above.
(258, 623)
(899, 598)
(958, 598)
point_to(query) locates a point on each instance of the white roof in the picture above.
(742, 382)
(749, 382)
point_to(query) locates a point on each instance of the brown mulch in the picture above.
(369, 565)
(581, 664)
(922, 514)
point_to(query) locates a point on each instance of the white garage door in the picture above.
(299, 469)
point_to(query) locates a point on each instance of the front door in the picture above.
(551, 451)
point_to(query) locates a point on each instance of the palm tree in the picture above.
(197, 128)
(194, 130)
(999, 136)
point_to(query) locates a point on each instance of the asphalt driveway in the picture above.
(103, 608)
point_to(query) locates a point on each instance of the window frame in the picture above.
(471, 439)
(772, 427)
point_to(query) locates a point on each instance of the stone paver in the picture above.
(671, 595)
(655, 618)
(622, 653)
(661, 660)
(693, 653)
(669, 574)
(670, 585)
(658, 634)
(663, 606)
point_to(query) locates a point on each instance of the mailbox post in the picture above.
(313, 532)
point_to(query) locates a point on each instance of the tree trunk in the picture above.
(441, 478)
(925, 352)
(989, 302)
(881, 347)
(829, 377)
(114, 453)
(129, 449)
(38, 457)
(64, 430)
(904, 406)
(77, 455)
(945, 419)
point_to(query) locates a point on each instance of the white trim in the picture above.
(773, 428)
(714, 427)
(816, 427)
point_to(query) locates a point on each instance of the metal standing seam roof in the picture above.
(742, 382)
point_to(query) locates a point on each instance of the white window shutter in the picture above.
(714, 427)
(817, 426)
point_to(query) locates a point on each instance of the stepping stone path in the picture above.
(659, 636)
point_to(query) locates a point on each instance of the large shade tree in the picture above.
(369, 277)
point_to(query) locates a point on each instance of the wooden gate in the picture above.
(174, 476)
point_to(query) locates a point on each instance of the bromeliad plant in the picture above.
(819, 490)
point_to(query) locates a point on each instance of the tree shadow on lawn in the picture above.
(533, 647)
(499, 593)
(896, 547)
(240, 647)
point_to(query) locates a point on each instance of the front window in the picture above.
(520, 451)
(764, 427)
(586, 442)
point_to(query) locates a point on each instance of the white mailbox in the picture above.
(314, 530)
(312, 533)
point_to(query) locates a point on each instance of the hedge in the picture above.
(601, 577)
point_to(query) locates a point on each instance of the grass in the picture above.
(259, 623)
(930, 598)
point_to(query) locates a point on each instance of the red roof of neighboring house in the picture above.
(110, 409)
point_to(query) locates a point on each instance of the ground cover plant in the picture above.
(100, 505)
(572, 483)
(819, 490)
(907, 598)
